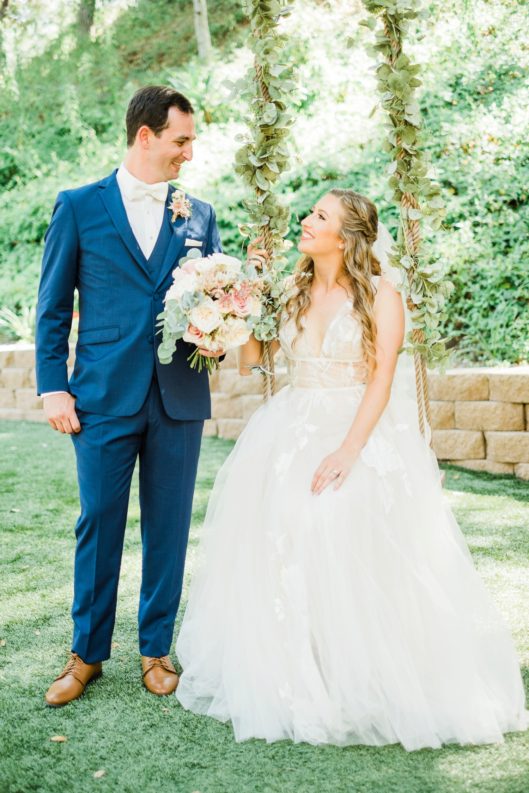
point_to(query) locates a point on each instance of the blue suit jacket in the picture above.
(90, 246)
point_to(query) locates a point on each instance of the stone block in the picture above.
(458, 444)
(224, 406)
(508, 447)
(14, 378)
(230, 429)
(458, 384)
(214, 381)
(7, 398)
(26, 399)
(24, 357)
(7, 356)
(234, 384)
(522, 471)
(230, 361)
(527, 417)
(510, 386)
(250, 404)
(442, 415)
(35, 415)
(501, 416)
(210, 428)
(489, 466)
(16, 414)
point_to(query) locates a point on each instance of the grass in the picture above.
(147, 744)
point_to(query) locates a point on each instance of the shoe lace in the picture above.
(164, 662)
(70, 667)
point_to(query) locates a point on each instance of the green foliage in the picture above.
(424, 282)
(264, 155)
(19, 326)
(61, 123)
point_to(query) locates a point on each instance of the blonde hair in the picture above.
(359, 231)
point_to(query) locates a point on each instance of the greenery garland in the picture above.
(264, 155)
(415, 193)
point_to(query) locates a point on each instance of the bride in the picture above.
(336, 600)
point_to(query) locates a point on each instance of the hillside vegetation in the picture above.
(62, 108)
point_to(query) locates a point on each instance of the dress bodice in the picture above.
(338, 363)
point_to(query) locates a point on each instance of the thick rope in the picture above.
(412, 234)
(269, 379)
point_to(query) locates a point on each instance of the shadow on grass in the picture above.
(483, 484)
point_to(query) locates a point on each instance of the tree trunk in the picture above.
(200, 12)
(85, 16)
(3, 11)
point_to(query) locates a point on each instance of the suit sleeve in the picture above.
(56, 294)
(213, 244)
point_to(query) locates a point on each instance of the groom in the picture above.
(117, 242)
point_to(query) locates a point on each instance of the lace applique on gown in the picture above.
(353, 617)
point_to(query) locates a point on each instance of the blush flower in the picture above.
(180, 206)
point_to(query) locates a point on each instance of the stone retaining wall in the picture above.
(480, 417)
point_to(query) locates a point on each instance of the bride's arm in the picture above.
(389, 319)
(251, 354)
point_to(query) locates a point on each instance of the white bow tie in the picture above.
(140, 190)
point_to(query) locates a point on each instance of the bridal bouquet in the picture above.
(214, 302)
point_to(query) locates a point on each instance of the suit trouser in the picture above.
(107, 449)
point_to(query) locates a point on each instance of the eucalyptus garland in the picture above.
(417, 196)
(264, 154)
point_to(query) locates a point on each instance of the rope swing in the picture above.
(264, 156)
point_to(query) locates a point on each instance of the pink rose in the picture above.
(193, 335)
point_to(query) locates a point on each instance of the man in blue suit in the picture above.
(117, 242)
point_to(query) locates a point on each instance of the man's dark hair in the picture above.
(150, 106)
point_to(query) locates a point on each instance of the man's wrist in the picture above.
(51, 393)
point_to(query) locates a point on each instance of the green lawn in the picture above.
(149, 744)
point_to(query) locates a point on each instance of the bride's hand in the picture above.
(258, 256)
(333, 470)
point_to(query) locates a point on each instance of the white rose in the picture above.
(206, 316)
(183, 282)
(233, 333)
(204, 265)
(229, 263)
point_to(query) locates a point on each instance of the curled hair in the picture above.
(359, 231)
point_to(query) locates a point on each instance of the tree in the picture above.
(85, 16)
(200, 13)
(3, 13)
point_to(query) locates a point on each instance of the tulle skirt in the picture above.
(352, 617)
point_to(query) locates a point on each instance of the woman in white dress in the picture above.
(336, 600)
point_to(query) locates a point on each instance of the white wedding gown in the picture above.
(352, 617)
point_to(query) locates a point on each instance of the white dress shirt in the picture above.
(145, 205)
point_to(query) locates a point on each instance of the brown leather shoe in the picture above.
(72, 681)
(159, 675)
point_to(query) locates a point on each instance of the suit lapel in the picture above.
(111, 197)
(176, 243)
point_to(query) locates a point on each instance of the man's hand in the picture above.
(209, 354)
(59, 409)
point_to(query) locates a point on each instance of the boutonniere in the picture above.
(180, 206)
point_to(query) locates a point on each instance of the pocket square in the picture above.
(193, 243)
